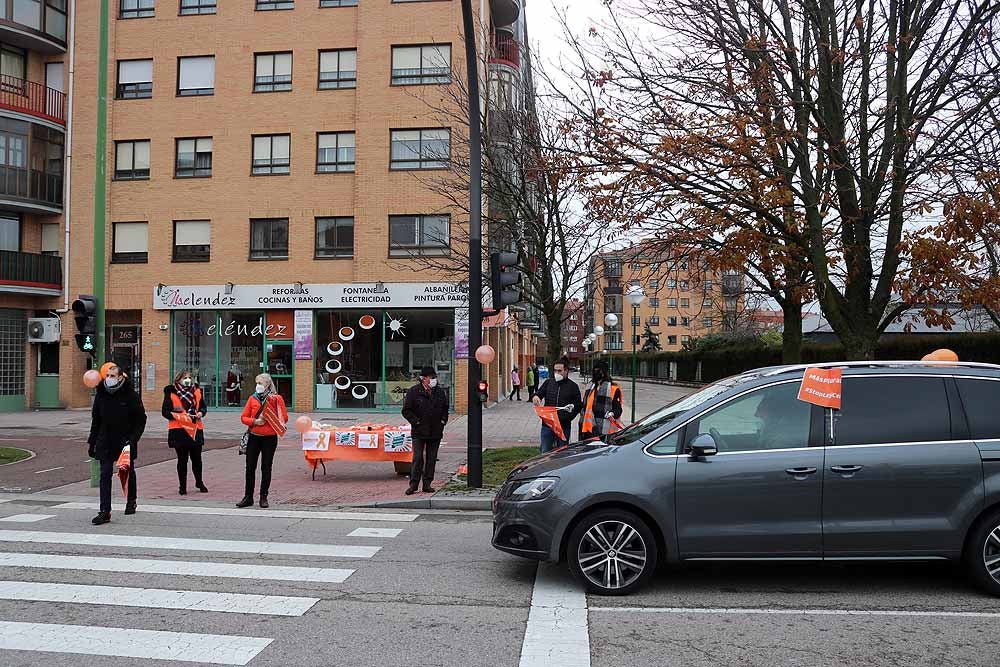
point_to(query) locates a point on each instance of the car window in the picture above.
(876, 410)
(981, 399)
(769, 418)
(667, 445)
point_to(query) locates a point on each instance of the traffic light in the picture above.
(484, 391)
(503, 276)
(85, 315)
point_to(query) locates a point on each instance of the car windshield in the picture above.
(666, 414)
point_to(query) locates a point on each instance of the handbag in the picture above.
(246, 436)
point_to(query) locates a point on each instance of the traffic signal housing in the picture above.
(504, 277)
(85, 316)
(484, 391)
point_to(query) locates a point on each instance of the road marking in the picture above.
(188, 544)
(157, 598)
(127, 643)
(272, 514)
(27, 518)
(327, 575)
(797, 612)
(375, 532)
(557, 634)
(5, 500)
(39, 472)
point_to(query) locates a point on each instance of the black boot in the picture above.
(182, 490)
(429, 489)
(246, 502)
(101, 518)
(130, 507)
(201, 487)
(263, 500)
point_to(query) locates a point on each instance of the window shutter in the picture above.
(192, 232)
(197, 73)
(131, 237)
(135, 71)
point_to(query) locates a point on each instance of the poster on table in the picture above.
(346, 438)
(398, 441)
(368, 440)
(316, 441)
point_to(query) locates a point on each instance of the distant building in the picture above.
(572, 330)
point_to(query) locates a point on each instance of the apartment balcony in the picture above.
(731, 285)
(505, 50)
(30, 190)
(36, 25)
(30, 273)
(504, 12)
(32, 99)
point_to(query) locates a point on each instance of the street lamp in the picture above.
(635, 296)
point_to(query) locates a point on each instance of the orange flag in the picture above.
(821, 386)
(550, 417)
(187, 423)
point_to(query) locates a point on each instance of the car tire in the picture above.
(612, 552)
(980, 549)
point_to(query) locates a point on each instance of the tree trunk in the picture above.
(553, 347)
(860, 348)
(791, 335)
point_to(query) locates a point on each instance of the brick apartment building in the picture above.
(266, 166)
(573, 331)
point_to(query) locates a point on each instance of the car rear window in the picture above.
(876, 410)
(981, 399)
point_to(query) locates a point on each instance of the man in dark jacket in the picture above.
(118, 419)
(426, 408)
(559, 392)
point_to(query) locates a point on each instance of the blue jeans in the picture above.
(549, 440)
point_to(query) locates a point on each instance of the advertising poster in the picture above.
(461, 333)
(303, 334)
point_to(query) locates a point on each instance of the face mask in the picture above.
(560, 377)
(434, 382)
(186, 382)
(110, 382)
(260, 389)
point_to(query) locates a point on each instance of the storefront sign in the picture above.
(303, 334)
(461, 333)
(386, 295)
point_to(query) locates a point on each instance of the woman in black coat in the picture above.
(184, 397)
(118, 419)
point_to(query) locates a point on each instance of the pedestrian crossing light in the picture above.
(484, 391)
(504, 276)
(85, 316)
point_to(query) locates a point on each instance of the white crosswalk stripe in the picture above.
(253, 512)
(27, 518)
(375, 532)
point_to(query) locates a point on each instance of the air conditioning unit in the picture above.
(44, 329)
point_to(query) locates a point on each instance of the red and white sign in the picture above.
(822, 386)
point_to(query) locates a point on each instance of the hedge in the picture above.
(711, 365)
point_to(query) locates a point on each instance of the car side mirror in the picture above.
(704, 445)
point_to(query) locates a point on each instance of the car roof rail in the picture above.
(877, 364)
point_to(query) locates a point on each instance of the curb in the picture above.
(434, 503)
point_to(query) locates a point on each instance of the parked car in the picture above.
(908, 468)
(543, 373)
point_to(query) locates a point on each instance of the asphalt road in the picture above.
(437, 594)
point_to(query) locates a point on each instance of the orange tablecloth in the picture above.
(335, 452)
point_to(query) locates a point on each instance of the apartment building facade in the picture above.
(267, 201)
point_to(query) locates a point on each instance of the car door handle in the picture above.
(846, 470)
(800, 471)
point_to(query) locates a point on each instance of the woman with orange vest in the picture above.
(602, 405)
(265, 416)
(183, 408)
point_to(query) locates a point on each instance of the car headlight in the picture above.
(532, 489)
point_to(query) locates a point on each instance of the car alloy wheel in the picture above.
(991, 554)
(612, 552)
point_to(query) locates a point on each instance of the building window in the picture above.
(653, 321)
(671, 302)
(418, 235)
(685, 286)
(654, 302)
(672, 283)
(706, 322)
(671, 321)
(334, 238)
(685, 321)
(131, 243)
(192, 240)
(685, 303)
(707, 287)
(271, 154)
(572, 327)
(420, 149)
(196, 76)
(413, 65)
(194, 158)
(684, 265)
(52, 242)
(13, 68)
(671, 340)
(685, 339)
(707, 301)
(334, 152)
(135, 9)
(267, 5)
(573, 349)
(269, 238)
(132, 160)
(636, 267)
(190, 7)
(135, 79)
(338, 69)
(272, 72)
(338, 3)
(654, 284)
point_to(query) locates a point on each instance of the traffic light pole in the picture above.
(475, 430)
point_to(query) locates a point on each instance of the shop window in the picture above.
(349, 354)
(269, 238)
(418, 235)
(426, 64)
(334, 237)
(192, 241)
(131, 243)
(223, 350)
(338, 69)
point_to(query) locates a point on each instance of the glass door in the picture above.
(278, 359)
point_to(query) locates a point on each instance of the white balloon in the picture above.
(598, 330)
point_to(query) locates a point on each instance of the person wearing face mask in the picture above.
(426, 408)
(559, 392)
(263, 439)
(187, 437)
(117, 420)
(601, 402)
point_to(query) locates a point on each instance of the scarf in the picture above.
(600, 402)
(186, 394)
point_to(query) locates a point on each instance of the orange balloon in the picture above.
(91, 378)
(941, 355)
(105, 367)
(485, 354)
(303, 424)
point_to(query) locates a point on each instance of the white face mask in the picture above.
(260, 389)
(434, 382)
(560, 377)
(110, 382)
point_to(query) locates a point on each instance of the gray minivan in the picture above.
(908, 468)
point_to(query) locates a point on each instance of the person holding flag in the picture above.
(266, 415)
(602, 405)
(183, 408)
(562, 394)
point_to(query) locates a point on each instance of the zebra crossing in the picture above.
(35, 564)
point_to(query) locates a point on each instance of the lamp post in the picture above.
(635, 297)
(611, 320)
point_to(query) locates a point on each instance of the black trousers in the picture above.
(108, 476)
(185, 452)
(262, 447)
(516, 390)
(425, 454)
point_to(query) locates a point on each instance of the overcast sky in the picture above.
(544, 29)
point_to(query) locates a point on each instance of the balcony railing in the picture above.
(29, 270)
(33, 99)
(731, 285)
(31, 185)
(506, 50)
